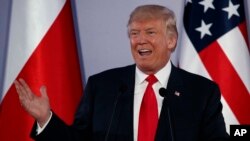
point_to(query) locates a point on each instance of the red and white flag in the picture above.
(215, 45)
(42, 50)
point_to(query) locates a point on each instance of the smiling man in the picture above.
(150, 100)
(153, 36)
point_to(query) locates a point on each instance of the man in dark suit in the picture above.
(180, 106)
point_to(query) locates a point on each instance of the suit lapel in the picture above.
(165, 130)
(175, 81)
(123, 116)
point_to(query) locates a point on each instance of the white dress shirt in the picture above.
(140, 87)
(39, 129)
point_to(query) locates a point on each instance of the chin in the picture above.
(145, 68)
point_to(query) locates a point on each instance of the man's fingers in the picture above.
(26, 90)
(19, 89)
(17, 85)
(25, 85)
(20, 92)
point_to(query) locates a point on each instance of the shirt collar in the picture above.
(162, 75)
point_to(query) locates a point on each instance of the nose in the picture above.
(142, 39)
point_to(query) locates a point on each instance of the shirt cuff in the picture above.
(40, 129)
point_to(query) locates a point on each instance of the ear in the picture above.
(172, 43)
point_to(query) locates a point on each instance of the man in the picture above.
(124, 104)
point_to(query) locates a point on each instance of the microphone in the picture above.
(164, 93)
(122, 89)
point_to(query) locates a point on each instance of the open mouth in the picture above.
(144, 52)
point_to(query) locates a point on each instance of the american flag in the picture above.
(214, 44)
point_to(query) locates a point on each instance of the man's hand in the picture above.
(37, 107)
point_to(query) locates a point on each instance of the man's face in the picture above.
(150, 45)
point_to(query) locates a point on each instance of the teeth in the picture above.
(144, 50)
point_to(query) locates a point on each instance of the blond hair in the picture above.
(151, 12)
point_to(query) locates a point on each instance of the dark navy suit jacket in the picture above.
(106, 110)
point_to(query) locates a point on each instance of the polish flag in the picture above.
(42, 50)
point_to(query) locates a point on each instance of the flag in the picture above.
(42, 50)
(214, 44)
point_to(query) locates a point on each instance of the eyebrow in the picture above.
(150, 28)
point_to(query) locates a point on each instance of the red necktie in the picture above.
(148, 117)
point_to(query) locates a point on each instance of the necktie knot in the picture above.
(151, 79)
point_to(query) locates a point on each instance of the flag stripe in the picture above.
(189, 59)
(243, 30)
(233, 89)
(228, 114)
(230, 49)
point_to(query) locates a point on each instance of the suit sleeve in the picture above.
(59, 130)
(213, 125)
